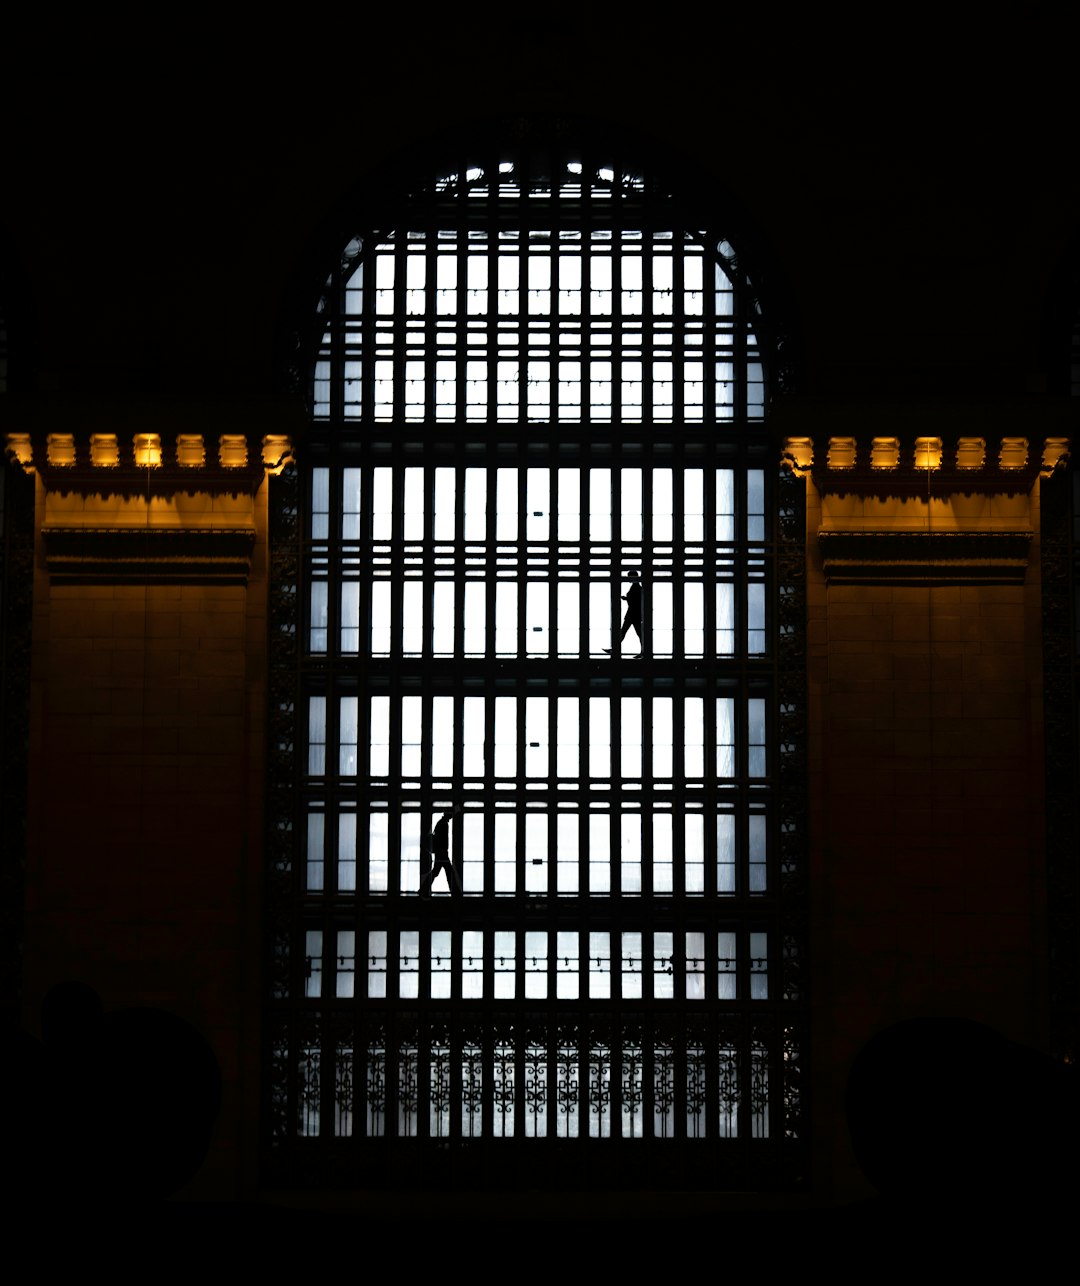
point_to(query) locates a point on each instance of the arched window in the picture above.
(540, 601)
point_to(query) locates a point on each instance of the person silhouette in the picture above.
(633, 618)
(440, 850)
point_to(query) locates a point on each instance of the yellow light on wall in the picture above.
(190, 450)
(884, 453)
(970, 453)
(277, 451)
(1054, 450)
(147, 450)
(841, 453)
(104, 450)
(232, 449)
(61, 450)
(20, 446)
(927, 453)
(1014, 453)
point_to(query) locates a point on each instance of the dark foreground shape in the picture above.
(113, 1107)
(951, 1110)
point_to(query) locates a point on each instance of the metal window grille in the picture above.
(538, 388)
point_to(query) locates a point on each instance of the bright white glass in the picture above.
(759, 966)
(506, 504)
(346, 858)
(378, 853)
(380, 618)
(600, 635)
(537, 503)
(536, 853)
(408, 963)
(725, 853)
(347, 737)
(506, 643)
(630, 853)
(380, 737)
(475, 504)
(631, 966)
(536, 736)
(567, 984)
(757, 839)
(535, 965)
(316, 736)
(442, 737)
(439, 978)
(755, 709)
(316, 826)
(409, 855)
(313, 939)
(599, 504)
(505, 961)
(317, 619)
(599, 737)
(694, 505)
(694, 618)
(661, 617)
(472, 736)
(694, 854)
(471, 826)
(412, 526)
(566, 853)
(567, 738)
(537, 603)
(695, 965)
(694, 737)
(472, 964)
(505, 762)
(410, 736)
(567, 607)
(346, 964)
(725, 961)
(630, 480)
(376, 964)
(600, 966)
(662, 504)
(569, 504)
(442, 618)
(599, 853)
(505, 853)
(630, 712)
(412, 618)
(662, 736)
(350, 616)
(475, 618)
(445, 504)
(663, 856)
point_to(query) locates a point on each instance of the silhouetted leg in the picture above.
(631, 623)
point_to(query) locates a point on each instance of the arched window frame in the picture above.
(315, 1049)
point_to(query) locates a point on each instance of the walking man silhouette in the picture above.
(440, 851)
(633, 618)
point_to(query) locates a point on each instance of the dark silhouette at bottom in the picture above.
(115, 1106)
(948, 1111)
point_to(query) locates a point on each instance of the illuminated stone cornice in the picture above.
(105, 464)
(921, 510)
(137, 509)
(914, 465)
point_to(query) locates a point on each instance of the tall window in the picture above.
(539, 603)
